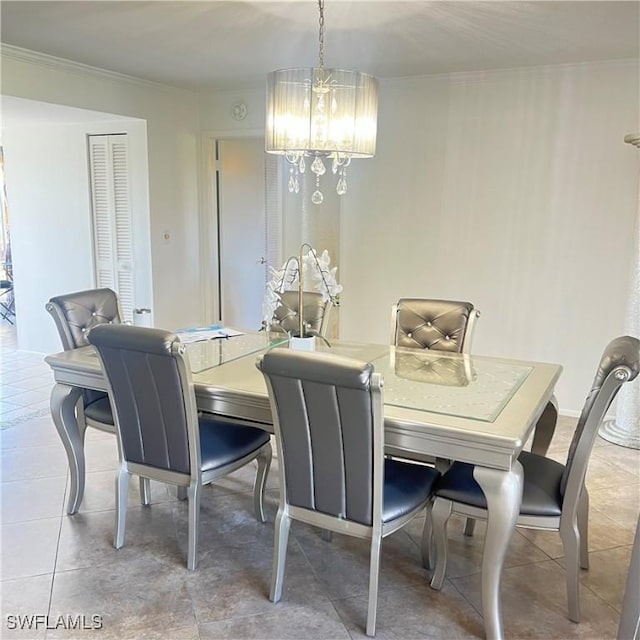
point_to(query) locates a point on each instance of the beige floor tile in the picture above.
(603, 473)
(36, 462)
(619, 503)
(628, 459)
(313, 621)
(22, 599)
(25, 500)
(534, 605)
(417, 612)
(135, 598)
(607, 574)
(237, 584)
(28, 548)
(86, 539)
(37, 432)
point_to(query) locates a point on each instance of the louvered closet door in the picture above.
(112, 237)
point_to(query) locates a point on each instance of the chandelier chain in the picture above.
(321, 32)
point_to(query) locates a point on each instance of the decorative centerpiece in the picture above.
(304, 272)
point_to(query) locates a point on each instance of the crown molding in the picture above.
(481, 75)
(8, 51)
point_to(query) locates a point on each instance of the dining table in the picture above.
(475, 409)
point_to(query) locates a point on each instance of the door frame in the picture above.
(209, 218)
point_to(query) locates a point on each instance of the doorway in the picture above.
(248, 237)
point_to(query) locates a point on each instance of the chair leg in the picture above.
(122, 493)
(583, 528)
(440, 514)
(571, 543)
(145, 491)
(264, 463)
(469, 527)
(283, 523)
(194, 492)
(374, 573)
(426, 547)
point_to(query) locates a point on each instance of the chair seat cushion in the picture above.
(99, 410)
(406, 487)
(541, 492)
(222, 443)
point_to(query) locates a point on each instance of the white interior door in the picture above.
(242, 231)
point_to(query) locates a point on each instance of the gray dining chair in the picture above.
(328, 419)
(75, 314)
(160, 434)
(448, 325)
(441, 325)
(554, 495)
(433, 325)
(317, 313)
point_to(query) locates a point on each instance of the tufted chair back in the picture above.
(327, 415)
(441, 325)
(620, 363)
(316, 313)
(76, 313)
(151, 394)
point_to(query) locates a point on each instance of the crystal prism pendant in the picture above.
(296, 185)
(317, 197)
(292, 183)
(317, 166)
(302, 165)
(334, 166)
(341, 187)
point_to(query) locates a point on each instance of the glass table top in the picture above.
(213, 353)
(449, 384)
(458, 385)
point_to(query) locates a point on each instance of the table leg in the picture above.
(503, 491)
(63, 410)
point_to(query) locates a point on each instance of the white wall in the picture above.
(50, 215)
(172, 134)
(510, 189)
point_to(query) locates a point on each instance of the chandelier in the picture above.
(318, 117)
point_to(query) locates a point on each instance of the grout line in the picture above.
(451, 581)
(55, 562)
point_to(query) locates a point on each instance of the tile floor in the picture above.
(55, 564)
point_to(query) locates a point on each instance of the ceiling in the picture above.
(202, 45)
